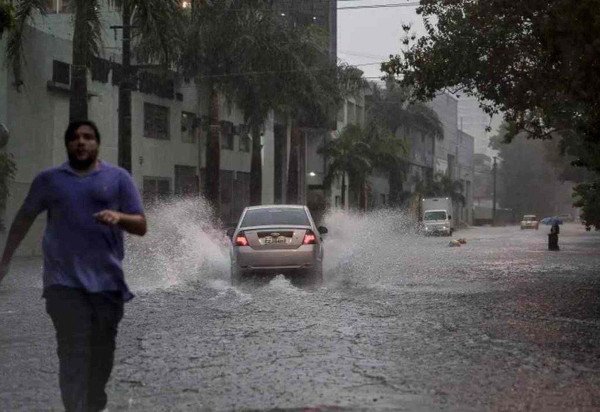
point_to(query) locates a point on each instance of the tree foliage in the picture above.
(358, 151)
(528, 182)
(440, 185)
(152, 19)
(536, 62)
(7, 17)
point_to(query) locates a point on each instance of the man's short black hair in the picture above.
(73, 126)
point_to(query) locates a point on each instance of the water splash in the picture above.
(358, 239)
(184, 244)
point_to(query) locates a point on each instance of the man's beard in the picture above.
(82, 164)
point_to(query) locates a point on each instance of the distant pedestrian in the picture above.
(553, 237)
(88, 203)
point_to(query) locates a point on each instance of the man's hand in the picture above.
(134, 224)
(109, 217)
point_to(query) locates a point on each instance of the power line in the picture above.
(372, 6)
(380, 6)
(252, 73)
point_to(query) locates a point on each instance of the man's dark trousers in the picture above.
(86, 327)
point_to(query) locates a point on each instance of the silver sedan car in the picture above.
(277, 239)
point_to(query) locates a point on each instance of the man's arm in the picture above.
(18, 231)
(134, 224)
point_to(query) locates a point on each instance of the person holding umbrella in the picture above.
(553, 235)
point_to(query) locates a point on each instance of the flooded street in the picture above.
(402, 322)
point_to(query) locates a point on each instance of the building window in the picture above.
(156, 121)
(226, 135)
(188, 129)
(100, 69)
(61, 72)
(156, 189)
(57, 6)
(245, 140)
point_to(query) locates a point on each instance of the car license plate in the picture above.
(280, 240)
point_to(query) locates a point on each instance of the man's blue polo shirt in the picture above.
(79, 251)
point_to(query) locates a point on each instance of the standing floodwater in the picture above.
(402, 321)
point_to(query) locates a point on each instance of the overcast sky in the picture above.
(370, 35)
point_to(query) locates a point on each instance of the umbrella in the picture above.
(551, 220)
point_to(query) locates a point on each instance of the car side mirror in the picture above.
(322, 230)
(449, 217)
(230, 232)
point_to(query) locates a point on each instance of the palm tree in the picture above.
(7, 18)
(388, 154)
(211, 52)
(86, 43)
(278, 70)
(240, 50)
(348, 154)
(25, 12)
(150, 15)
(441, 185)
(391, 109)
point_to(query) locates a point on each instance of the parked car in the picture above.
(530, 222)
(275, 239)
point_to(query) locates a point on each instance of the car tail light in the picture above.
(309, 238)
(240, 240)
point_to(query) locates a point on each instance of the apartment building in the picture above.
(168, 121)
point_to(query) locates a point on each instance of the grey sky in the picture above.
(371, 35)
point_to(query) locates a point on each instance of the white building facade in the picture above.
(168, 118)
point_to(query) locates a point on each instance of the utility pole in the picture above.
(124, 147)
(494, 172)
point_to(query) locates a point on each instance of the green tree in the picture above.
(527, 181)
(241, 50)
(213, 49)
(283, 62)
(348, 154)
(152, 16)
(391, 109)
(7, 17)
(534, 62)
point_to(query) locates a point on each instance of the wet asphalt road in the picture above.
(402, 323)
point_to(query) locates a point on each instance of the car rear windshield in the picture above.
(441, 215)
(529, 218)
(275, 216)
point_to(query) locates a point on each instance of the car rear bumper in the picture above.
(437, 231)
(304, 257)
